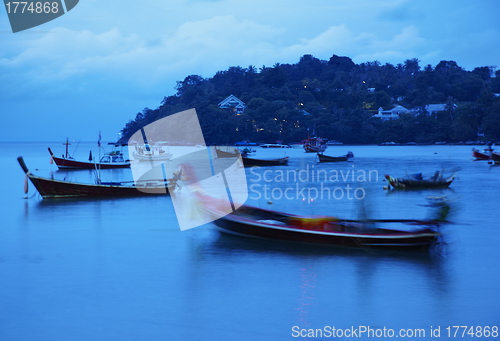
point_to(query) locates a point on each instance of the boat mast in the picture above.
(99, 145)
(66, 144)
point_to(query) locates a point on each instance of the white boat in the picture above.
(333, 143)
(150, 152)
(270, 145)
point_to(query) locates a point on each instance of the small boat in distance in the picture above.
(403, 234)
(269, 145)
(245, 143)
(51, 188)
(495, 158)
(416, 181)
(314, 144)
(228, 153)
(333, 143)
(326, 158)
(110, 160)
(251, 162)
(482, 155)
(150, 152)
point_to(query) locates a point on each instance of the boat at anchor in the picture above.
(51, 188)
(326, 158)
(151, 152)
(110, 160)
(416, 181)
(314, 144)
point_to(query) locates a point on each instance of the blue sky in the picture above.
(98, 65)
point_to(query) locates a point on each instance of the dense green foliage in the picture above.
(338, 98)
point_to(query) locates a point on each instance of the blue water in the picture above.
(121, 269)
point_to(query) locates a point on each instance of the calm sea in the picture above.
(121, 269)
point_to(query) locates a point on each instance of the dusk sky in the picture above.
(97, 66)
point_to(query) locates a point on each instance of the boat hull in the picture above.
(73, 164)
(63, 189)
(50, 188)
(478, 155)
(314, 149)
(63, 163)
(419, 184)
(143, 157)
(251, 162)
(325, 158)
(495, 157)
(320, 233)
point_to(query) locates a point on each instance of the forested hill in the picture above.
(339, 98)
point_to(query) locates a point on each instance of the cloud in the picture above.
(123, 58)
(115, 60)
(361, 47)
(65, 54)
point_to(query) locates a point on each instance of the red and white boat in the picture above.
(51, 188)
(314, 144)
(482, 155)
(110, 160)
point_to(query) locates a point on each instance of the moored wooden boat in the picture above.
(326, 158)
(106, 162)
(250, 162)
(495, 157)
(227, 154)
(482, 155)
(314, 144)
(276, 145)
(51, 188)
(413, 182)
(151, 152)
(383, 233)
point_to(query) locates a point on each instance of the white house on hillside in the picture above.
(233, 102)
(391, 114)
(431, 108)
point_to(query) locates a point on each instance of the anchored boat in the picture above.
(51, 188)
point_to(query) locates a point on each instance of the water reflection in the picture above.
(322, 279)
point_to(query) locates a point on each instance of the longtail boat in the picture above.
(407, 234)
(250, 162)
(482, 155)
(227, 154)
(417, 182)
(495, 157)
(326, 158)
(51, 188)
(110, 160)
